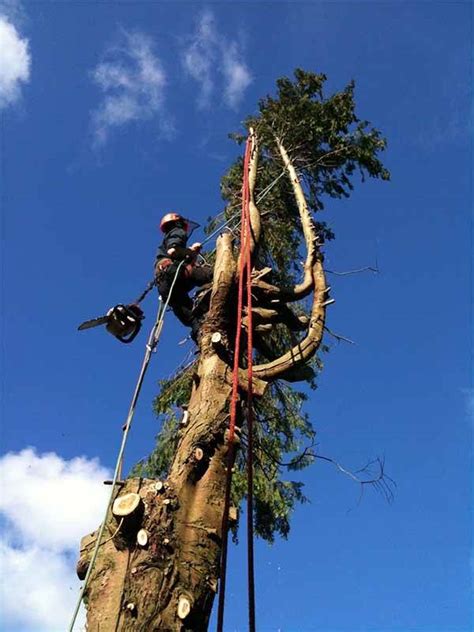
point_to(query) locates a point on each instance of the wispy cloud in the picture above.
(132, 81)
(236, 73)
(47, 505)
(15, 58)
(210, 58)
(200, 56)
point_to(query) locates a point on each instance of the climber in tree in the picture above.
(173, 250)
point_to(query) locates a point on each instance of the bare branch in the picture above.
(307, 284)
(280, 314)
(338, 336)
(379, 480)
(314, 279)
(359, 270)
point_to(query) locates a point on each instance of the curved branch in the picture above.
(314, 279)
(305, 349)
(304, 288)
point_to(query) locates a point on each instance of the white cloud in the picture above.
(209, 55)
(15, 62)
(47, 505)
(236, 73)
(41, 589)
(132, 81)
(199, 57)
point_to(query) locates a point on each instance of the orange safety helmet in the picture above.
(170, 218)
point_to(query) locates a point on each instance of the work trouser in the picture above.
(189, 277)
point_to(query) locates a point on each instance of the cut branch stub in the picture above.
(185, 418)
(129, 509)
(184, 607)
(233, 514)
(142, 537)
(82, 567)
(198, 454)
(216, 339)
(126, 505)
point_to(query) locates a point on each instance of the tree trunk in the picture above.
(169, 579)
(158, 563)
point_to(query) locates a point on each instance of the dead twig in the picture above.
(359, 270)
(338, 336)
(379, 480)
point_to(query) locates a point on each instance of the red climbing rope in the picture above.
(250, 564)
(245, 266)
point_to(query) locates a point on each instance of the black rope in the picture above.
(148, 289)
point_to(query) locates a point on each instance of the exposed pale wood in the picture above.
(255, 219)
(184, 418)
(280, 314)
(184, 607)
(142, 537)
(216, 338)
(313, 279)
(266, 327)
(258, 386)
(263, 314)
(259, 274)
(126, 505)
(303, 288)
(198, 454)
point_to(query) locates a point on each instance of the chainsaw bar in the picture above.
(95, 322)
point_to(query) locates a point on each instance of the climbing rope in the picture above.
(150, 347)
(245, 267)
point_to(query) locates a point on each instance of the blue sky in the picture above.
(115, 112)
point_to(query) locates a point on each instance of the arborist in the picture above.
(171, 252)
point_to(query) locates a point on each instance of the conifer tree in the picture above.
(306, 147)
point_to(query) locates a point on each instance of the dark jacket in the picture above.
(175, 238)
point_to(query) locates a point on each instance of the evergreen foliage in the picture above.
(328, 145)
